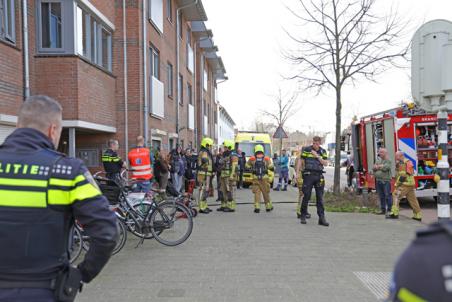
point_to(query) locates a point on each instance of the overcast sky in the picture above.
(250, 37)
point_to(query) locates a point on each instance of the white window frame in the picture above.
(9, 19)
(154, 70)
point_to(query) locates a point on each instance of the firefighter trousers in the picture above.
(408, 192)
(228, 191)
(316, 181)
(300, 193)
(204, 187)
(261, 186)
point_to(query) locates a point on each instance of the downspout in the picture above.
(145, 83)
(178, 62)
(195, 120)
(126, 95)
(26, 50)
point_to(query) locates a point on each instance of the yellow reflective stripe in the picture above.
(66, 182)
(23, 182)
(84, 192)
(22, 199)
(60, 197)
(405, 295)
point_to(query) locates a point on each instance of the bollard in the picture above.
(443, 168)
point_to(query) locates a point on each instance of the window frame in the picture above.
(154, 54)
(180, 87)
(170, 80)
(190, 93)
(9, 18)
(169, 11)
(63, 8)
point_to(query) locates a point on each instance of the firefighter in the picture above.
(112, 162)
(424, 270)
(404, 187)
(140, 164)
(260, 165)
(42, 192)
(205, 168)
(299, 166)
(229, 163)
(315, 158)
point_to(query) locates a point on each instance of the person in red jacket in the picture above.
(140, 165)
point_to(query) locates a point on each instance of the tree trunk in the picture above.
(337, 157)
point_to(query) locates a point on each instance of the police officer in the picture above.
(404, 187)
(141, 166)
(424, 270)
(315, 158)
(228, 176)
(260, 165)
(112, 162)
(41, 193)
(205, 168)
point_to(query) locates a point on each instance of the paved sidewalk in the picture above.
(262, 257)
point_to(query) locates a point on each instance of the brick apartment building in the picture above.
(92, 57)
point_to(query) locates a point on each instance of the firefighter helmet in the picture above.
(258, 148)
(206, 142)
(229, 144)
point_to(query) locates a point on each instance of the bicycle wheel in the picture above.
(75, 244)
(171, 223)
(142, 208)
(122, 231)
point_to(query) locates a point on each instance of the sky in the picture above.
(251, 39)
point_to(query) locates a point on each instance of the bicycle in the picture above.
(168, 221)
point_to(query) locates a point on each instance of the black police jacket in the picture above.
(41, 192)
(424, 270)
(112, 162)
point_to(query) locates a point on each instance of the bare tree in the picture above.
(344, 41)
(285, 109)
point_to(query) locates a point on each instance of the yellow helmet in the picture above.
(206, 141)
(258, 148)
(229, 144)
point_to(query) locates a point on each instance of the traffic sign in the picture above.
(280, 133)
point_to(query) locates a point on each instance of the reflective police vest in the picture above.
(140, 163)
(36, 193)
(312, 164)
(111, 161)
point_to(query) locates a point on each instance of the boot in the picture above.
(303, 219)
(417, 216)
(322, 221)
(228, 210)
(392, 216)
(204, 211)
(269, 209)
(308, 215)
(256, 210)
(220, 209)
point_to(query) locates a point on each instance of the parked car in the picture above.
(343, 159)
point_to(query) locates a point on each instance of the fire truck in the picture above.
(408, 129)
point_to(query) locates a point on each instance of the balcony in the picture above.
(157, 98)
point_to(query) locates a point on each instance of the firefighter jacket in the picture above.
(259, 165)
(205, 162)
(405, 173)
(41, 193)
(112, 162)
(140, 163)
(312, 164)
(229, 163)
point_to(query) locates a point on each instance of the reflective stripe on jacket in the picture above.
(140, 163)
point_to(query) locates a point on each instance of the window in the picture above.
(93, 40)
(83, 33)
(180, 86)
(155, 63)
(7, 28)
(169, 79)
(188, 36)
(51, 25)
(180, 26)
(156, 13)
(205, 80)
(189, 94)
(169, 10)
